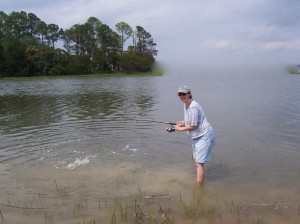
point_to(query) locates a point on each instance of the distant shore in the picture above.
(138, 74)
(293, 69)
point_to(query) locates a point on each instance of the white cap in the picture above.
(184, 89)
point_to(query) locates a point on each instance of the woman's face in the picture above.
(184, 97)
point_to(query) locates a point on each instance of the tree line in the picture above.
(27, 47)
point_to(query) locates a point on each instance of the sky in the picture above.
(190, 32)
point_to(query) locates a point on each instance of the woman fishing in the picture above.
(198, 129)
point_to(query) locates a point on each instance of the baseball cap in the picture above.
(184, 89)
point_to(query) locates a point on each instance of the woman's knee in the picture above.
(199, 164)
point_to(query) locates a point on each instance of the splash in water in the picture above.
(78, 162)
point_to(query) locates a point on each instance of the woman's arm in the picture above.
(185, 128)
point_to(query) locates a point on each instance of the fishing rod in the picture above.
(169, 129)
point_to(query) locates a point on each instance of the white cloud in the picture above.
(284, 45)
(187, 29)
(219, 44)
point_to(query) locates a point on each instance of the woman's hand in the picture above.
(180, 123)
(178, 127)
(182, 127)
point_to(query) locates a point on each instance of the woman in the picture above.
(198, 129)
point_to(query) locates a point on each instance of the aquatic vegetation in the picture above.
(186, 208)
(259, 219)
(113, 218)
(149, 210)
(236, 211)
(48, 219)
(61, 191)
(2, 219)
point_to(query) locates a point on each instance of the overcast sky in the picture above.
(190, 32)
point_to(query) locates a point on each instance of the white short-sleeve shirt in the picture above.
(194, 116)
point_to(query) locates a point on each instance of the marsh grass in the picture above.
(123, 209)
(235, 210)
(60, 191)
(113, 217)
(143, 208)
(2, 218)
(259, 218)
(48, 218)
(80, 207)
(186, 208)
(197, 209)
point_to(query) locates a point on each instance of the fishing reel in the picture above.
(170, 129)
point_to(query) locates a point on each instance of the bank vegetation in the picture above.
(28, 47)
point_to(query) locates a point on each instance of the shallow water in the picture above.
(85, 139)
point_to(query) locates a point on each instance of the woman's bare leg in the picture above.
(200, 173)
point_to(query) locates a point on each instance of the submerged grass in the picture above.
(142, 208)
(236, 211)
(60, 191)
(2, 219)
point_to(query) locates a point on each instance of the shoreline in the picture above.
(100, 75)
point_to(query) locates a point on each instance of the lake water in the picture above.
(70, 146)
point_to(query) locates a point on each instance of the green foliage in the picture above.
(77, 64)
(14, 57)
(27, 47)
(132, 62)
(125, 31)
(1, 59)
(145, 44)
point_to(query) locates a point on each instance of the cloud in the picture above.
(282, 45)
(220, 44)
(219, 29)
